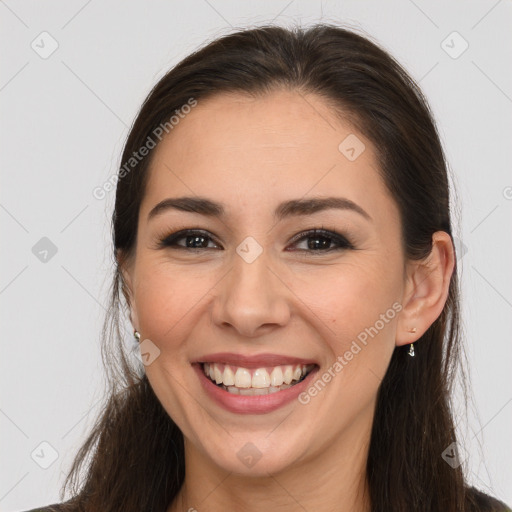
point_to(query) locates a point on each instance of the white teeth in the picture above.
(228, 377)
(260, 378)
(238, 380)
(243, 378)
(254, 391)
(276, 377)
(217, 374)
(288, 374)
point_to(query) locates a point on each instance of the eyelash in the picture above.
(170, 241)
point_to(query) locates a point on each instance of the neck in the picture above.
(334, 479)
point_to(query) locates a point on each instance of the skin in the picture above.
(251, 154)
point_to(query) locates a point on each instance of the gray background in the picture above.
(64, 119)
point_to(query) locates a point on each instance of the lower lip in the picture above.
(258, 404)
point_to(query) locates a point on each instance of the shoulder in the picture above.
(478, 501)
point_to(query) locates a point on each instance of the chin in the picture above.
(253, 458)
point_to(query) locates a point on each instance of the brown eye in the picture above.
(193, 239)
(320, 240)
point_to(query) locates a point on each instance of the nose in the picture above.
(252, 300)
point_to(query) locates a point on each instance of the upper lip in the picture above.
(256, 361)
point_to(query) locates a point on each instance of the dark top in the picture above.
(480, 503)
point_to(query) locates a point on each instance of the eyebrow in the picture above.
(294, 207)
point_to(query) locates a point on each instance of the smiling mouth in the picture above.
(255, 382)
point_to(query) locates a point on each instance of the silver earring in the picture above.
(136, 334)
(411, 348)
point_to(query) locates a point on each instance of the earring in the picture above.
(411, 348)
(136, 334)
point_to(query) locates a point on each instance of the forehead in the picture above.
(245, 150)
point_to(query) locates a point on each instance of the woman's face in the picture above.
(257, 302)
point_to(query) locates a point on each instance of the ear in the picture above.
(125, 266)
(426, 289)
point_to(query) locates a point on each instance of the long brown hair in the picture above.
(133, 460)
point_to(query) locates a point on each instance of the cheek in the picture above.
(350, 297)
(356, 307)
(165, 299)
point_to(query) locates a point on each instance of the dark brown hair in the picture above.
(133, 460)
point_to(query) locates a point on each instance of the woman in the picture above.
(283, 243)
